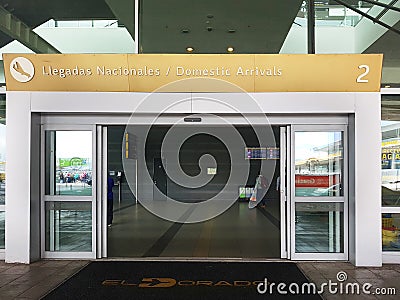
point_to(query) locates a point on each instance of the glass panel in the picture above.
(68, 163)
(391, 232)
(2, 229)
(390, 163)
(69, 226)
(318, 164)
(319, 228)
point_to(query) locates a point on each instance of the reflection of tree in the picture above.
(76, 161)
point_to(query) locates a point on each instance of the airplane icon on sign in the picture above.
(17, 67)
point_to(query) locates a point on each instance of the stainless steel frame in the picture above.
(55, 198)
(343, 199)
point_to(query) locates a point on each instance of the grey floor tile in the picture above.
(35, 292)
(7, 278)
(385, 273)
(18, 269)
(14, 289)
(351, 274)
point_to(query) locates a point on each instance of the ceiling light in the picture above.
(185, 30)
(230, 49)
(231, 30)
(189, 49)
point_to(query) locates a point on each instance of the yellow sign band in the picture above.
(149, 72)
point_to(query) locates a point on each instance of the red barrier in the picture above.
(316, 181)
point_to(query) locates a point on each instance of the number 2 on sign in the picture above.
(361, 76)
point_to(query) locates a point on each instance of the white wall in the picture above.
(80, 40)
(14, 47)
(367, 182)
(327, 40)
(88, 40)
(18, 184)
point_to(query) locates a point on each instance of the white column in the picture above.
(367, 185)
(18, 143)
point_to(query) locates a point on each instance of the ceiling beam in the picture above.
(13, 27)
(375, 20)
(124, 11)
(388, 6)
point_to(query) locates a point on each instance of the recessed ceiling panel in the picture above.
(209, 26)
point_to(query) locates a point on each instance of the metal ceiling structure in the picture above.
(209, 26)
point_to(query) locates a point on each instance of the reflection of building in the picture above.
(321, 173)
(390, 156)
(326, 160)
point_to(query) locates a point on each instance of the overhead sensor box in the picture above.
(192, 120)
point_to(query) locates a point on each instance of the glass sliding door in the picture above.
(68, 185)
(319, 192)
(390, 165)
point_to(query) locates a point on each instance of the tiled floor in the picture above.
(387, 276)
(238, 232)
(35, 280)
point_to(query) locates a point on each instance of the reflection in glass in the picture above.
(391, 232)
(319, 228)
(390, 163)
(2, 229)
(69, 226)
(68, 163)
(318, 164)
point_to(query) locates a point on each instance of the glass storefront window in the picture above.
(318, 164)
(319, 228)
(2, 229)
(390, 232)
(68, 226)
(390, 163)
(68, 163)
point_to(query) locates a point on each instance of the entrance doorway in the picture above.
(305, 214)
(239, 232)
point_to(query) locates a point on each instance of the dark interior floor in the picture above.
(240, 232)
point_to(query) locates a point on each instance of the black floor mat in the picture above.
(183, 280)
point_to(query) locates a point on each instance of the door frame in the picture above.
(54, 198)
(342, 199)
(283, 191)
(101, 190)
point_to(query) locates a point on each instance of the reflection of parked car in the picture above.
(390, 197)
(333, 190)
